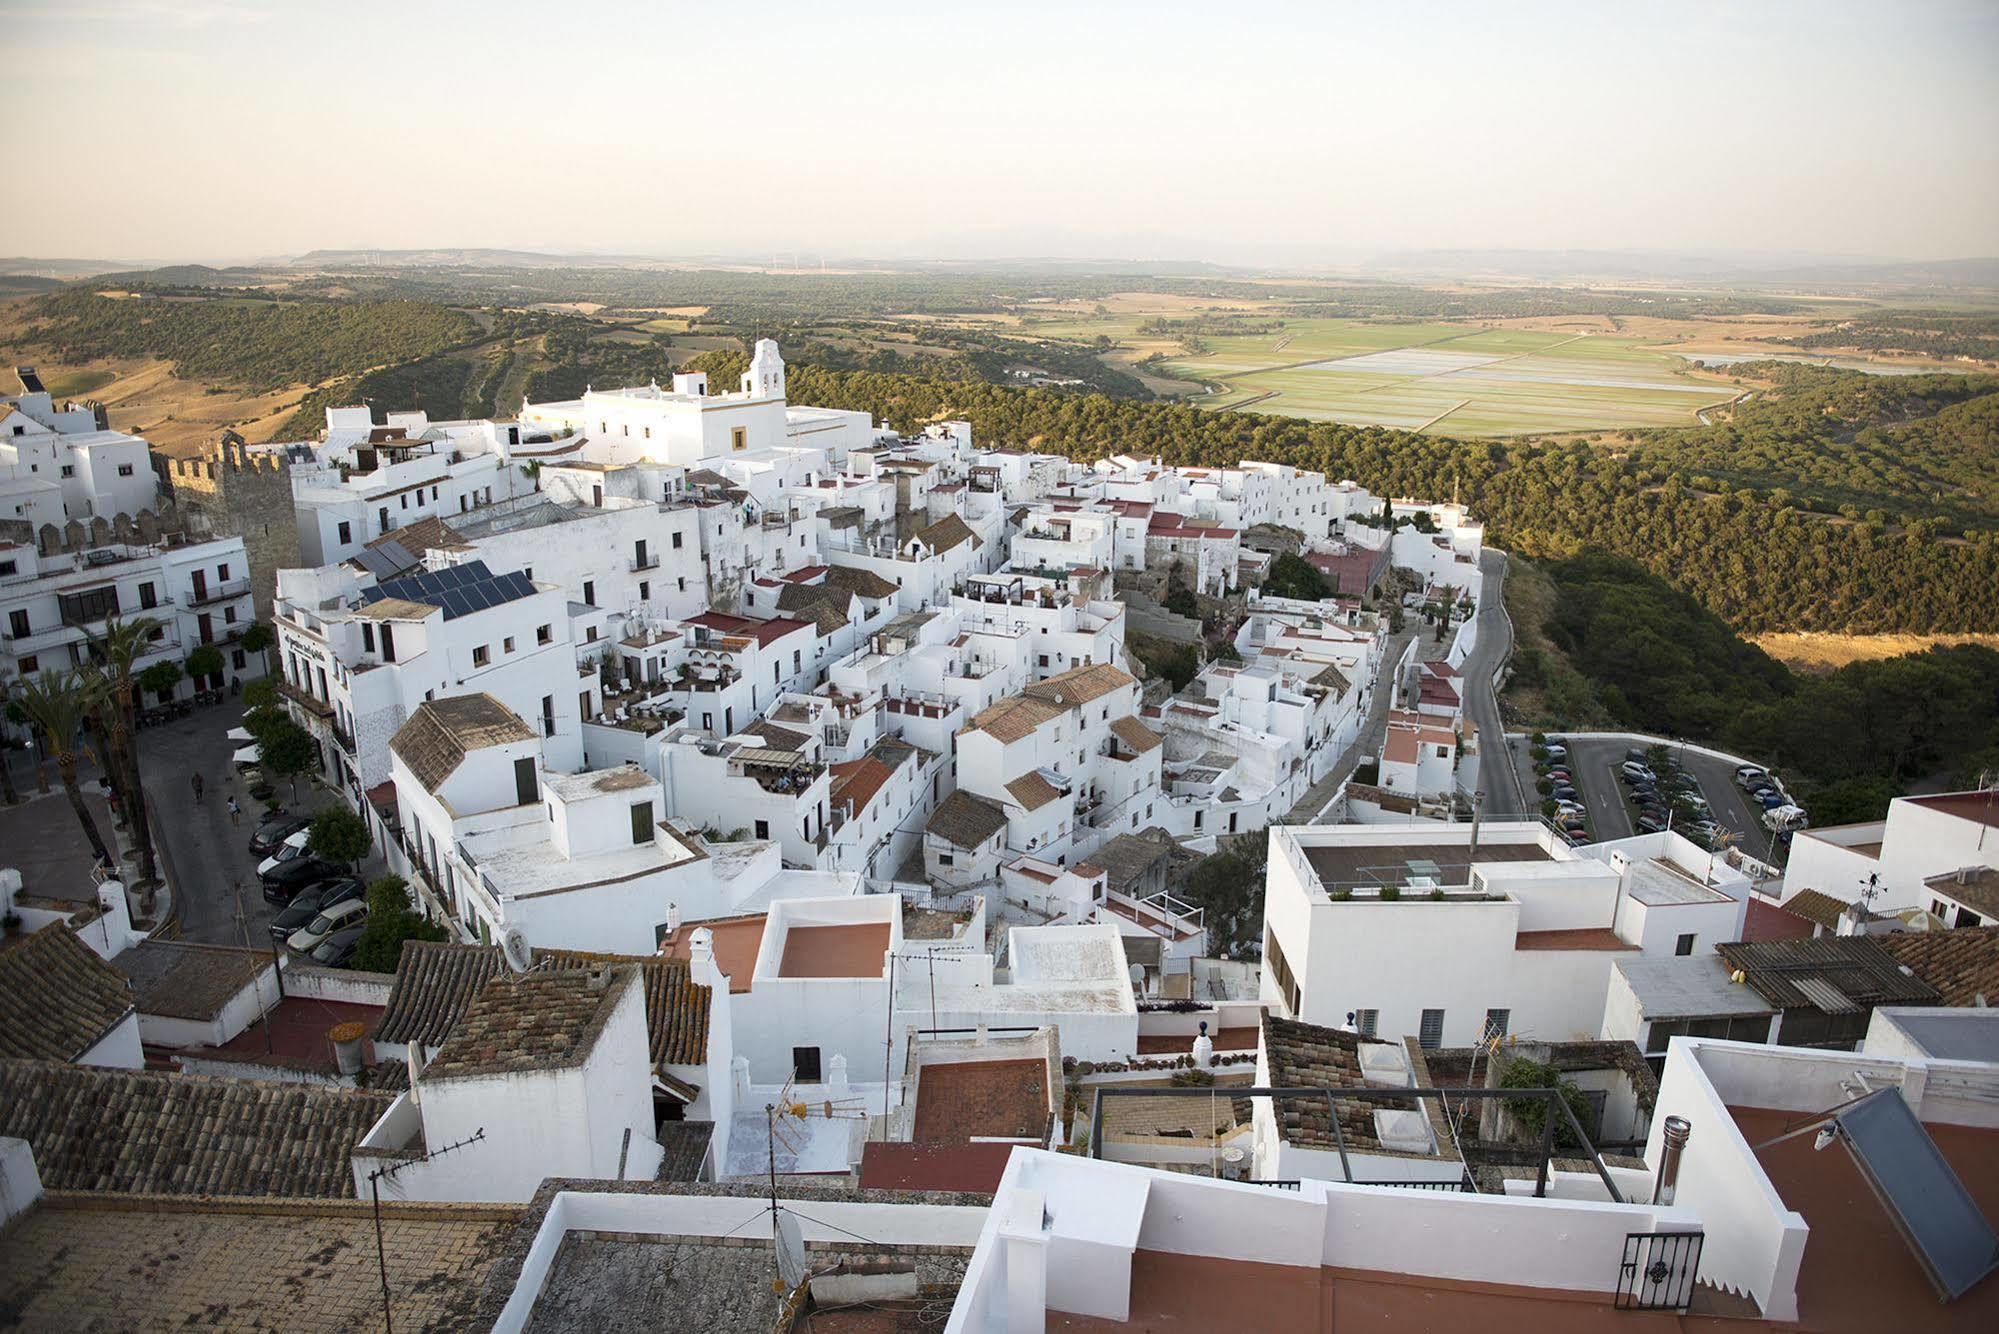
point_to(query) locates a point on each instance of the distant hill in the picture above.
(449, 257)
(1739, 268)
(60, 269)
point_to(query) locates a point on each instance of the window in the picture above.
(548, 715)
(346, 532)
(237, 660)
(382, 516)
(526, 791)
(507, 644)
(542, 634)
(69, 470)
(368, 636)
(590, 592)
(148, 596)
(944, 859)
(681, 583)
(1365, 1022)
(804, 1060)
(229, 616)
(404, 500)
(1495, 1023)
(8, 566)
(763, 829)
(222, 574)
(388, 643)
(124, 470)
(1432, 1033)
(676, 541)
(1044, 660)
(1686, 945)
(641, 822)
(796, 661)
(30, 665)
(480, 656)
(739, 438)
(645, 591)
(1280, 971)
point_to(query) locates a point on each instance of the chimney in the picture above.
(1204, 1048)
(1673, 1137)
(701, 959)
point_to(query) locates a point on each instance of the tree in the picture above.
(392, 919)
(257, 638)
(160, 678)
(286, 750)
(122, 644)
(57, 705)
(7, 761)
(1228, 886)
(1293, 577)
(1532, 1113)
(205, 662)
(339, 835)
(260, 693)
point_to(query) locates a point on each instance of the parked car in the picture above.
(352, 912)
(1650, 822)
(337, 950)
(1563, 792)
(1570, 808)
(1635, 753)
(293, 846)
(312, 900)
(288, 879)
(1557, 751)
(1748, 776)
(276, 830)
(1771, 800)
(1559, 772)
(1578, 840)
(1634, 770)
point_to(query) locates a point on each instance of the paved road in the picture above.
(1498, 772)
(208, 856)
(1368, 742)
(1594, 761)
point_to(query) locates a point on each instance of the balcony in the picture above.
(640, 564)
(306, 700)
(220, 592)
(37, 641)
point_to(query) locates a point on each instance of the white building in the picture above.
(1937, 854)
(198, 592)
(358, 657)
(1512, 930)
(97, 473)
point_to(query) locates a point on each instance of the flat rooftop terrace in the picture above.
(957, 1101)
(853, 949)
(1379, 863)
(1858, 1274)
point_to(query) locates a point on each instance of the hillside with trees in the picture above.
(1656, 661)
(1754, 558)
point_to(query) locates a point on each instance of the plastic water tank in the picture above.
(1384, 1064)
(1405, 1130)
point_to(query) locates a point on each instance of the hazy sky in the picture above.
(212, 129)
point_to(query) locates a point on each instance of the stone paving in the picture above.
(131, 1264)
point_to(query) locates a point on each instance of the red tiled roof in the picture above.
(764, 632)
(808, 574)
(1580, 938)
(974, 1168)
(1433, 691)
(855, 783)
(1766, 921)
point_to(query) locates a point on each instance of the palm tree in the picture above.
(115, 697)
(6, 761)
(56, 706)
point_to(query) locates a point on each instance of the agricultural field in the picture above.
(1449, 379)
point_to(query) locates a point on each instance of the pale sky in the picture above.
(157, 130)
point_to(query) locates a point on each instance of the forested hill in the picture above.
(1756, 560)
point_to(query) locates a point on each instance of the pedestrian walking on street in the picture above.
(197, 789)
(235, 812)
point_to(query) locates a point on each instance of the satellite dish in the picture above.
(514, 945)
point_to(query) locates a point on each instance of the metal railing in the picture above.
(1551, 1100)
(219, 592)
(1659, 1271)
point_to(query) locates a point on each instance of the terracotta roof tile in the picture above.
(58, 999)
(179, 979)
(145, 1133)
(967, 819)
(436, 983)
(1962, 964)
(1080, 685)
(520, 1023)
(438, 736)
(1136, 735)
(1814, 906)
(1312, 1056)
(947, 533)
(1015, 718)
(1032, 791)
(861, 583)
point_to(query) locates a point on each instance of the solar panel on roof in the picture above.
(1952, 1240)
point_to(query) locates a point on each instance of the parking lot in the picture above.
(1594, 762)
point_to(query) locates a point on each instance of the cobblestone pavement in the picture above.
(86, 1266)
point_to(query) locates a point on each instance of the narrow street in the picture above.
(1369, 740)
(1499, 775)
